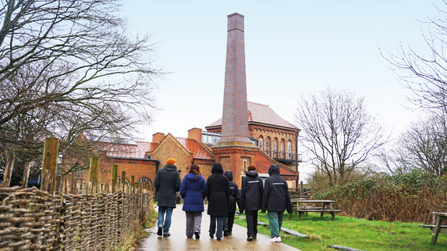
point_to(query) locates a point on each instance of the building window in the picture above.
(261, 144)
(289, 150)
(282, 149)
(275, 148)
(267, 146)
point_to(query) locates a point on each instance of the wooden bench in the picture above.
(301, 207)
(437, 228)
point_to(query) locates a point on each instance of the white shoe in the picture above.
(275, 239)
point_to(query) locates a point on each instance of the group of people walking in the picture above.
(223, 195)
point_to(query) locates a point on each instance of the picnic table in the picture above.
(437, 228)
(301, 206)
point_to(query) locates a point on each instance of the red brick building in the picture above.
(248, 133)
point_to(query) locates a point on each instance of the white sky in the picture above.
(293, 48)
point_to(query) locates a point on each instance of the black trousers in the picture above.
(252, 223)
(229, 221)
(220, 225)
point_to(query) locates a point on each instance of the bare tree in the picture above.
(424, 72)
(422, 147)
(69, 67)
(338, 133)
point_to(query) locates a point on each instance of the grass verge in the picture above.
(133, 239)
(351, 232)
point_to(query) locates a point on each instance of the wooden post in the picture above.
(114, 177)
(8, 168)
(58, 184)
(302, 190)
(94, 173)
(25, 174)
(50, 152)
(132, 184)
(123, 180)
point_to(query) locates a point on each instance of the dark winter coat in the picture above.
(193, 192)
(234, 194)
(252, 190)
(217, 192)
(167, 184)
(276, 196)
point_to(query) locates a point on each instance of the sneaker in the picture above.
(275, 239)
(250, 238)
(167, 234)
(219, 238)
(160, 231)
(229, 233)
(197, 235)
(225, 232)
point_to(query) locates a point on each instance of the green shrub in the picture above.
(407, 198)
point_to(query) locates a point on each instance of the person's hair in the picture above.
(251, 167)
(195, 169)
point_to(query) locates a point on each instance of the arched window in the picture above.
(275, 148)
(289, 150)
(261, 143)
(282, 148)
(147, 181)
(267, 146)
(127, 182)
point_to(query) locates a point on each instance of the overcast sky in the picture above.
(293, 48)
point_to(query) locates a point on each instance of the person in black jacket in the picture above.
(217, 192)
(276, 200)
(231, 207)
(167, 184)
(251, 196)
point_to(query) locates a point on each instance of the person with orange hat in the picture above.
(167, 184)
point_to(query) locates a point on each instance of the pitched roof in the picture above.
(133, 151)
(198, 150)
(262, 114)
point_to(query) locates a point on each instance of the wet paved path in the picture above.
(178, 241)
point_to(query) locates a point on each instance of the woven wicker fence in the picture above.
(31, 219)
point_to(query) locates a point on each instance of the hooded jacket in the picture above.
(167, 184)
(193, 192)
(276, 196)
(235, 196)
(251, 193)
(217, 192)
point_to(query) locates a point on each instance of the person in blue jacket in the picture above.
(193, 192)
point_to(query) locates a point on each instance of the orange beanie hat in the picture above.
(170, 161)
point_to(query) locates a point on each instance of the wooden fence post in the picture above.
(7, 173)
(123, 180)
(114, 177)
(50, 152)
(132, 184)
(94, 173)
(25, 174)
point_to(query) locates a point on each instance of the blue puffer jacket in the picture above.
(193, 192)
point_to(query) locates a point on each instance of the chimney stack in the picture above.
(234, 117)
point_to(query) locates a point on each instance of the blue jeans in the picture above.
(162, 221)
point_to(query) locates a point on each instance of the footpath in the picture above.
(178, 241)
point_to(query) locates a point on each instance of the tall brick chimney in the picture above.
(195, 133)
(234, 149)
(234, 117)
